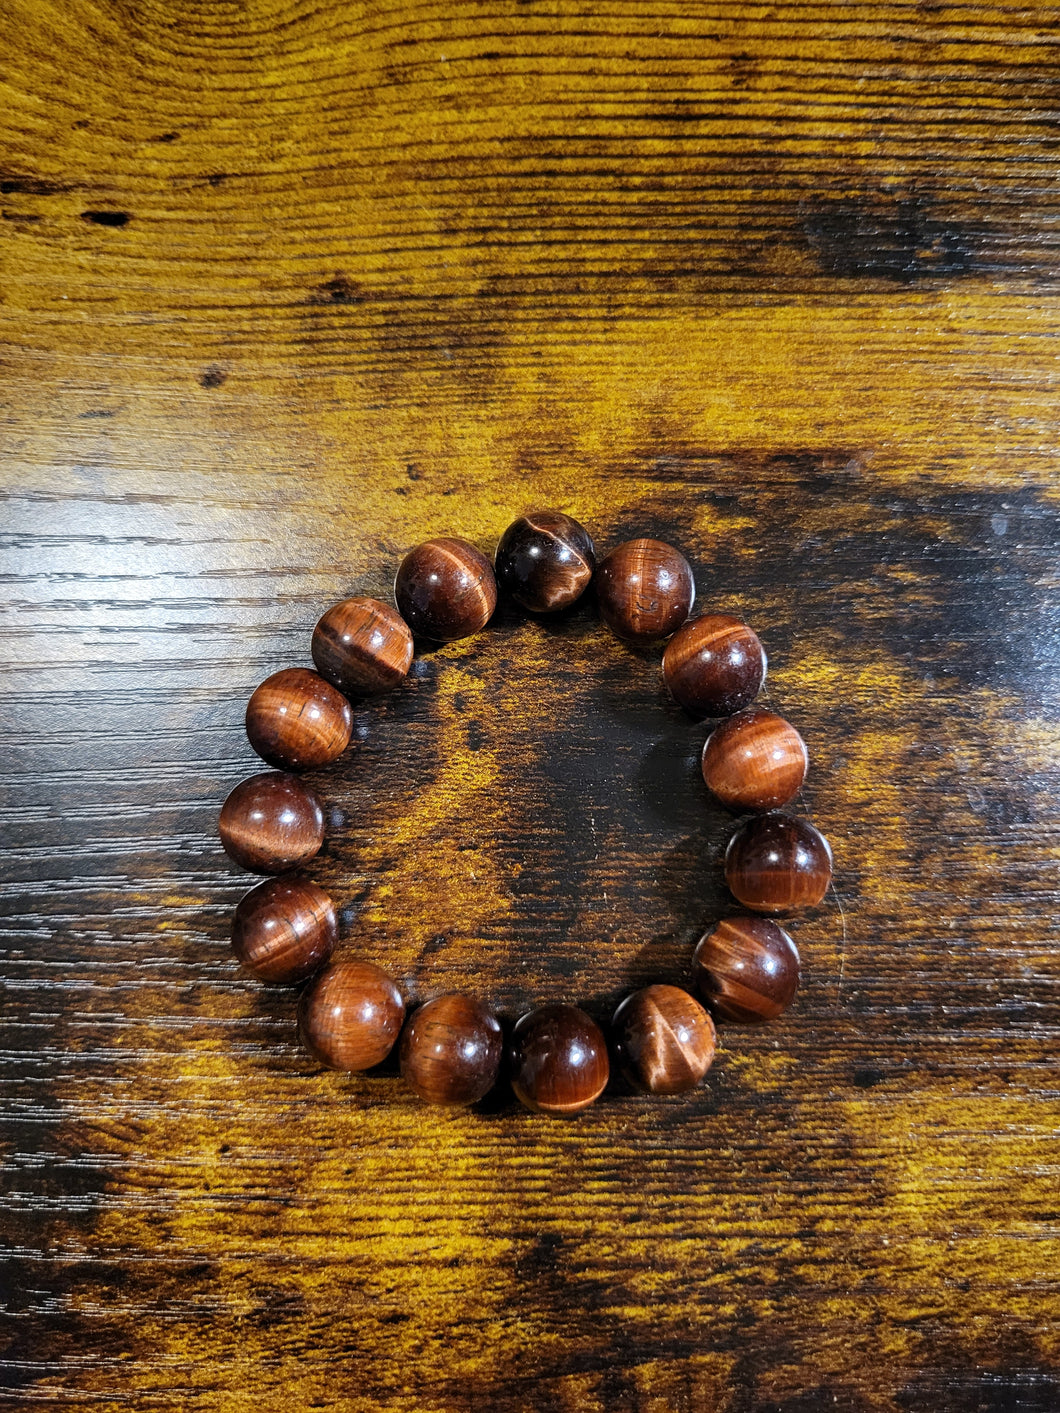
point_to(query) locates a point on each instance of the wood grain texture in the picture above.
(284, 290)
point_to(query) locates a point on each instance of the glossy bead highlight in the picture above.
(271, 823)
(558, 1060)
(362, 646)
(284, 930)
(754, 761)
(747, 969)
(451, 1050)
(645, 590)
(714, 665)
(664, 1040)
(350, 1017)
(545, 561)
(297, 721)
(445, 589)
(777, 864)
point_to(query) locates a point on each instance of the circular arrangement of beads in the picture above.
(452, 1048)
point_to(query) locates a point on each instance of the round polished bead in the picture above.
(445, 589)
(284, 930)
(271, 823)
(747, 969)
(754, 761)
(296, 720)
(558, 1060)
(645, 590)
(362, 646)
(777, 864)
(664, 1040)
(451, 1050)
(351, 1015)
(714, 665)
(545, 561)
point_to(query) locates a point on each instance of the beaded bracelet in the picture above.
(746, 968)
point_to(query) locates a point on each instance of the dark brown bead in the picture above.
(296, 720)
(664, 1040)
(777, 864)
(362, 646)
(271, 823)
(284, 930)
(351, 1015)
(714, 665)
(451, 1050)
(747, 969)
(545, 561)
(558, 1060)
(645, 590)
(754, 761)
(445, 589)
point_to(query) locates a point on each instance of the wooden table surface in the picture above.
(284, 289)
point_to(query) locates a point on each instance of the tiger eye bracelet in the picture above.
(452, 1049)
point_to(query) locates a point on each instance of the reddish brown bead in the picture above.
(714, 665)
(664, 1040)
(445, 589)
(645, 590)
(284, 930)
(296, 720)
(271, 823)
(747, 969)
(545, 561)
(351, 1015)
(451, 1051)
(558, 1060)
(362, 646)
(777, 864)
(754, 761)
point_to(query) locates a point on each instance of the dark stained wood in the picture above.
(778, 863)
(644, 589)
(663, 1040)
(295, 720)
(362, 646)
(747, 968)
(545, 561)
(714, 665)
(754, 761)
(287, 289)
(271, 822)
(445, 589)
(451, 1051)
(284, 930)
(350, 1015)
(557, 1060)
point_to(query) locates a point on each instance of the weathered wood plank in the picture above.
(286, 288)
